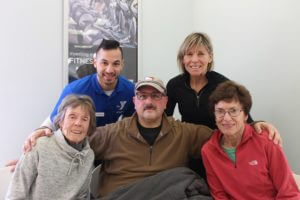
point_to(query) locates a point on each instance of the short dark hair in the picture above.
(73, 101)
(109, 44)
(230, 91)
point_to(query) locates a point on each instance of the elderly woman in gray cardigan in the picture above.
(59, 167)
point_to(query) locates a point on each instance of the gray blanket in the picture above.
(174, 184)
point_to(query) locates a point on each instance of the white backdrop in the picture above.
(31, 68)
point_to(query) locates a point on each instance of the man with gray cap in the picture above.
(145, 144)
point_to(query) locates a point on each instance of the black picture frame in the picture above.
(87, 22)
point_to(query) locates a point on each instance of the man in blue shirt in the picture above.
(111, 93)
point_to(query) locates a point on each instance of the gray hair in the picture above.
(73, 101)
(195, 40)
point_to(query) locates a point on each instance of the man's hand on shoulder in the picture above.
(31, 140)
(273, 132)
(12, 164)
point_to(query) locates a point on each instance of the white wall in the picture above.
(162, 24)
(31, 68)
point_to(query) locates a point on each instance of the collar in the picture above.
(99, 89)
(134, 132)
(217, 135)
(61, 141)
(74, 155)
(186, 78)
(212, 77)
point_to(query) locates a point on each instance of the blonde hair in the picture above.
(195, 39)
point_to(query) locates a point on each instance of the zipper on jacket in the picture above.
(197, 100)
(235, 166)
(198, 96)
(150, 157)
(234, 162)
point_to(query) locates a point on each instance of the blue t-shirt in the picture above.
(109, 109)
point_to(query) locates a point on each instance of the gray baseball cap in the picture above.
(153, 82)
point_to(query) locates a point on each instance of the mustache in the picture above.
(150, 107)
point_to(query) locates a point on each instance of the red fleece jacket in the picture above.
(261, 170)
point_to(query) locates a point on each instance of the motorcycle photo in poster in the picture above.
(91, 21)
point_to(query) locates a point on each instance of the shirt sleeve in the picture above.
(67, 90)
(216, 189)
(281, 174)
(48, 123)
(171, 100)
(24, 176)
(130, 109)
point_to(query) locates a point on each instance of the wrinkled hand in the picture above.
(12, 164)
(31, 140)
(273, 132)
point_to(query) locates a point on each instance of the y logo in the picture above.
(122, 104)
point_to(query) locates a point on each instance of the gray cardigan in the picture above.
(52, 170)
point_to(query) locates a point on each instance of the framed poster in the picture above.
(88, 22)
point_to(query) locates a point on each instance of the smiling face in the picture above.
(109, 64)
(196, 60)
(149, 106)
(75, 124)
(229, 125)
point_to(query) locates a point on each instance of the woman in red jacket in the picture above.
(239, 163)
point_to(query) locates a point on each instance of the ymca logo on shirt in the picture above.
(122, 105)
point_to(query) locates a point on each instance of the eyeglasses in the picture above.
(220, 113)
(153, 96)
